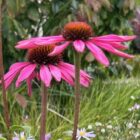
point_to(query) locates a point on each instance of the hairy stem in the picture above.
(5, 102)
(77, 93)
(44, 99)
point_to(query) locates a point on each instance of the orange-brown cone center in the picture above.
(77, 31)
(40, 56)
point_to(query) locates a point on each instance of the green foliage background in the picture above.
(27, 18)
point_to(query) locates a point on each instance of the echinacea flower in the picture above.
(82, 133)
(80, 35)
(43, 67)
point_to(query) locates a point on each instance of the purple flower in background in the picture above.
(135, 107)
(22, 136)
(81, 133)
(48, 137)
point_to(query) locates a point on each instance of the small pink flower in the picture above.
(80, 34)
(44, 68)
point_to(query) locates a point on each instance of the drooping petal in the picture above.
(113, 38)
(45, 75)
(18, 64)
(118, 46)
(25, 73)
(84, 77)
(109, 48)
(59, 49)
(66, 76)
(98, 53)
(79, 45)
(12, 73)
(55, 71)
(9, 80)
(128, 38)
(29, 83)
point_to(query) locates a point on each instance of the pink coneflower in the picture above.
(44, 68)
(81, 35)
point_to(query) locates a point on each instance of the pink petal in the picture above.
(29, 83)
(59, 49)
(113, 38)
(79, 45)
(118, 46)
(14, 69)
(98, 53)
(52, 40)
(25, 73)
(36, 42)
(66, 76)
(33, 39)
(84, 77)
(9, 80)
(128, 38)
(45, 75)
(18, 64)
(109, 48)
(55, 71)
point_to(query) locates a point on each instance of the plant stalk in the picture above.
(44, 99)
(77, 93)
(5, 102)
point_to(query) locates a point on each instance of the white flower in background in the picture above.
(102, 130)
(98, 124)
(129, 125)
(132, 97)
(136, 135)
(0, 135)
(109, 126)
(81, 133)
(90, 126)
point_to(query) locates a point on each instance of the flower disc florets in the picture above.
(77, 31)
(40, 56)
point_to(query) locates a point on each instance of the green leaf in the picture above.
(2, 138)
(21, 31)
(0, 2)
(16, 128)
(33, 14)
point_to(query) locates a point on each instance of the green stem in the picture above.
(44, 99)
(77, 93)
(5, 102)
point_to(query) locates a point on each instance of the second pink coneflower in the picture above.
(44, 68)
